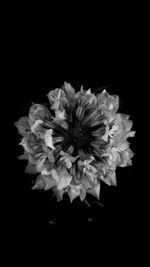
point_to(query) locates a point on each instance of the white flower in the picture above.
(48, 139)
(76, 114)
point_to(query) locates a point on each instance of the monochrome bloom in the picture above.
(77, 143)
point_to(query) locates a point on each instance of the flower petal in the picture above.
(48, 139)
(74, 192)
(55, 176)
(57, 98)
(95, 191)
(25, 145)
(37, 112)
(58, 193)
(35, 125)
(40, 163)
(60, 115)
(49, 182)
(69, 90)
(64, 179)
(23, 125)
(110, 178)
(39, 183)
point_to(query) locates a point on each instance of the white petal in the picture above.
(68, 163)
(48, 139)
(39, 183)
(49, 182)
(95, 191)
(35, 125)
(25, 145)
(40, 164)
(131, 134)
(45, 172)
(60, 114)
(58, 193)
(55, 176)
(64, 180)
(89, 91)
(74, 192)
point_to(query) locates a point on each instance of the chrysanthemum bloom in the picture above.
(77, 143)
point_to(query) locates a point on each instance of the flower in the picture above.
(79, 147)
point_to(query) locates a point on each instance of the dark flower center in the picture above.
(79, 134)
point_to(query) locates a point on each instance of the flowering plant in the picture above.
(77, 143)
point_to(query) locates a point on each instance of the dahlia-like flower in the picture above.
(76, 143)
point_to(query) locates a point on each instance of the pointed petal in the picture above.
(55, 176)
(58, 193)
(64, 179)
(69, 90)
(39, 183)
(110, 178)
(74, 192)
(95, 191)
(49, 182)
(30, 168)
(40, 163)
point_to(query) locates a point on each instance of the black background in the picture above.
(96, 47)
(35, 70)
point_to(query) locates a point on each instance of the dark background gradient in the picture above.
(33, 76)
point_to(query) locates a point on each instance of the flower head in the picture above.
(80, 146)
